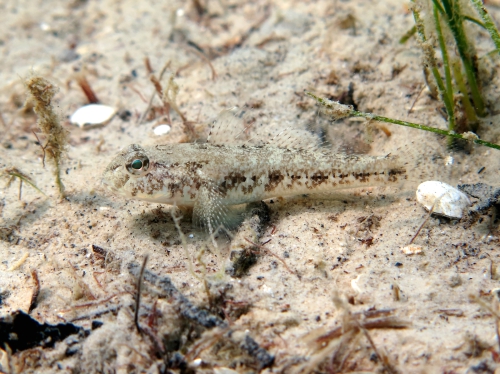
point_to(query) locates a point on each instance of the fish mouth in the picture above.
(113, 178)
(106, 183)
(106, 177)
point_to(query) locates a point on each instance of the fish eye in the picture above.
(138, 164)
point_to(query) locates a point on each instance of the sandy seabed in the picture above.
(347, 300)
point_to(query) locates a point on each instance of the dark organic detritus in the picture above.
(20, 332)
(200, 316)
(257, 217)
(488, 196)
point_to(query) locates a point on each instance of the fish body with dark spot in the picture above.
(210, 177)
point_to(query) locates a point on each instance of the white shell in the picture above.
(449, 201)
(162, 129)
(412, 249)
(92, 115)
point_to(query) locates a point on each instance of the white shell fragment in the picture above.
(92, 115)
(412, 250)
(447, 200)
(162, 129)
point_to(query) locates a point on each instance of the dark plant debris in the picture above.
(20, 332)
(488, 196)
(200, 318)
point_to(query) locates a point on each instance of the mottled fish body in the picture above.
(209, 177)
(241, 174)
(212, 176)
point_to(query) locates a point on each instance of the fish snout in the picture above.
(115, 176)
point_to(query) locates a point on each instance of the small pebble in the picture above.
(412, 249)
(447, 200)
(224, 370)
(45, 26)
(197, 362)
(162, 130)
(92, 115)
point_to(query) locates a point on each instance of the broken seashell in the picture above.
(442, 198)
(92, 115)
(162, 129)
(412, 249)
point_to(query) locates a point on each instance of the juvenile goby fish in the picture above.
(210, 177)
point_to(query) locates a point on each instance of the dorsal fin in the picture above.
(229, 128)
(295, 138)
(235, 126)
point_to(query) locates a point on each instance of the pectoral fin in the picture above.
(209, 211)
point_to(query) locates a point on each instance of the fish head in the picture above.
(136, 173)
